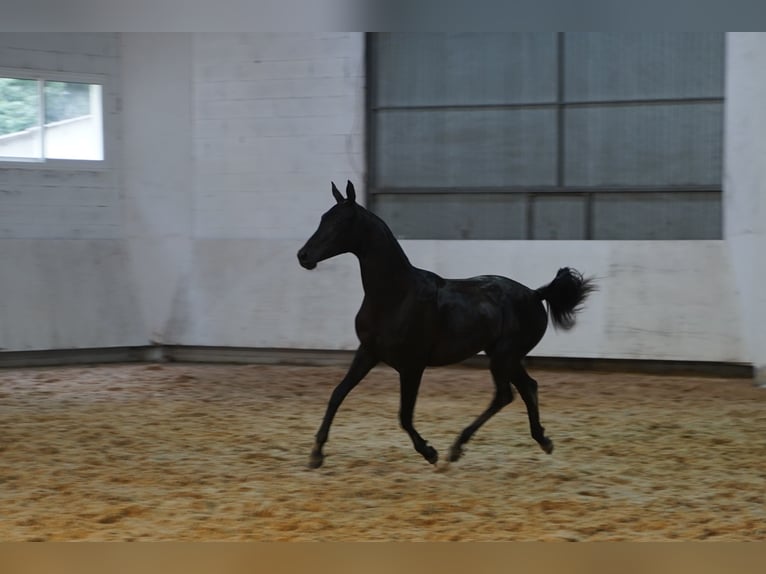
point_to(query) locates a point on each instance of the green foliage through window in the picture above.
(66, 100)
(45, 119)
(19, 105)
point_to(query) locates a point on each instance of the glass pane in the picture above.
(460, 69)
(73, 123)
(657, 215)
(465, 148)
(644, 145)
(641, 65)
(559, 217)
(19, 118)
(453, 216)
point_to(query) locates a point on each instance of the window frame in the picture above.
(39, 75)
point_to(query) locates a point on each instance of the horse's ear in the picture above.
(350, 193)
(336, 194)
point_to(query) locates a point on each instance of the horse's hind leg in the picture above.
(409, 384)
(503, 396)
(527, 388)
(360, 366)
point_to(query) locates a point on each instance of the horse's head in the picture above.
(335, 232)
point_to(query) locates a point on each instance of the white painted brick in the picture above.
(67, 294)
(215, 71)
(210, 91)
(28, 59)
(295, 69)
(284, 166)
(86, 64)
(271, 46)
(39, 195)
(234, 109)
(275, 155)
(97, 44)
(318, 106)
(60, 222)
(53, 178)
(277, 117)
(99, 60)
(74, 62)
(294, 184)
(310, 69)
(222, 71)
(38, 201)
(276, 88)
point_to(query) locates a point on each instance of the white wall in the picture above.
(745, 184)
(62, 259)
(265, 183)
(158, 174)
(658, 300)
(227, 148)
(44, 203)
(276, 117)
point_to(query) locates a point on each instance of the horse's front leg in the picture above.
(409, 383)
(363, 362)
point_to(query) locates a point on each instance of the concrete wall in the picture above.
(62, 258)
(158, 176)
(745, 185)
(263, 181)
(227, 145)
(276, 117)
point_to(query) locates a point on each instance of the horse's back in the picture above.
(475, 313)
(497, 289)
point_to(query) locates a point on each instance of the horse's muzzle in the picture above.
(303, 259)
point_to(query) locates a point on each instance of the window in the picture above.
(49, 118)
(546, 135)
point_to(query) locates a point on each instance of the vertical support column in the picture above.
(157, 100)
(745, 184)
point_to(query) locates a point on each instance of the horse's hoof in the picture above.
(316, 460)
(547, 446)
(455, 453)
(431, 454)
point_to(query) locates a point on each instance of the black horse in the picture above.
(411, 318)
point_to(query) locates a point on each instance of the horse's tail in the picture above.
(565, 296)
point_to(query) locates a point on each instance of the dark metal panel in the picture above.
(643, 65)
(466, 148)
(454, 216)
(466, 68)
(548, 189)
(453, 130)
(370, 120)
(559, 217)
(644, 145)
(657, 216)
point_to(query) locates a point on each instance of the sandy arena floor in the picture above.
(219, 452)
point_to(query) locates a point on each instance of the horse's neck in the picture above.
(386, 271)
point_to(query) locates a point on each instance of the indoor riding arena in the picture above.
(202, 452)
(183, 287)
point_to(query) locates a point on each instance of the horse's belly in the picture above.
(448, 355)
(463, 331)
(454, 345)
